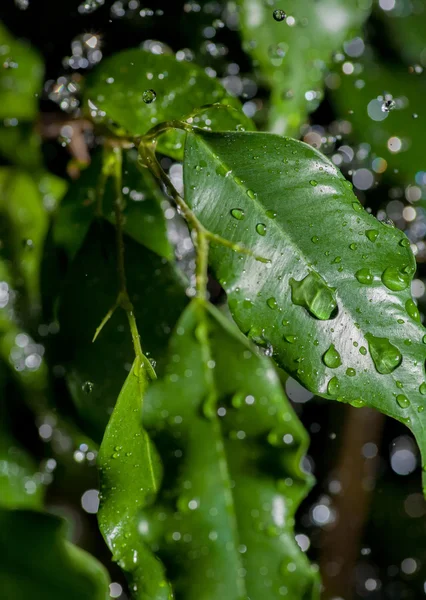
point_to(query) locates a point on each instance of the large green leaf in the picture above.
(143, 218)
(96, 371)
(37, 562)
(115, 96)
(334, 307)
(294, 59)
(20, 78)
(399, 137)
(231, 447)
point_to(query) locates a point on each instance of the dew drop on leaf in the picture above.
(402, 401)
(313, 293)
(271, 214)
(332, 358)
(279, 14)
(149, 96)
(333, 386)
(290, 338)
(313, 183)
(261, 228)
(394, 279)
(372, 234)
(272, 303)
(237, 213)
(422, 389)
(87, 387)
(364, 276)
(350, 372)
(251, 194)
(412, 310)
(386, 357)
(405, 242)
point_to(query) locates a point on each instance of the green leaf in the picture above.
(21, 78)
(404, 30)
(96, 371)
(231, 447)
(325, 250)
(398, 137)
(143, 217)
(134, 90)
(293, 54)
(21, 145)
(37, 562)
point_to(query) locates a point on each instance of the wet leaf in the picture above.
(21, 73)
(370, 347)
(143, 217)
(53, 567)
(293, 54)
(231, 449)
(96, 371)
(134, 90)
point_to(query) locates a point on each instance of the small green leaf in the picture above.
(96, 370)
(293, 54)
(37, 562)
(142, 215)
(231, 448)
(134, 90)
(319, 229)
(21, 76)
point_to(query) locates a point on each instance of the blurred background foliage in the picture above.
(347, 77)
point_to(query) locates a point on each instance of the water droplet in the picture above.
(412, 310)
(313, 293)
(363, 350)
(87, 387)
(357, 206)
(291, 339)
(272, 303)
(405, 242)
(237, 213)
(403, 401)
(372, 234)
(149, 96)
(315, 239)
(333, 386)
(251, 194)
(331, 358)
(358, 403)
(395, 279)
(388, 105)
(424, 339)
(350, 372)
(364, 276)
(271, 214)
(279, 14)
(313, 183)
(261, 228)
(422, 389)
(353, 246)
(386, 356)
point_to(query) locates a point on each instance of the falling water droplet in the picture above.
(332, 358)
(87, 387)
(386, 356)
(279, 14)
(149, 96)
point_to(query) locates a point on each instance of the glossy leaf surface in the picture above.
(293, 53)
(20, 78)
(222, 521)
(334, 307)
(37, 562)
(143, 218)
(134, 90)
(96, 371)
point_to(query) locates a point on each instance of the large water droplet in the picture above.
(333, 387)
(149, 96)
(364, 276)
(412, 310)
(395, 279)
(386, 356)
(315, 295)
(403, 401)
(332, 358)
(237, 213)
(422, 389)
(372, 234)
(261, 228)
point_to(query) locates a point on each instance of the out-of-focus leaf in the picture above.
(21, 146)
(21, 76)
(334, 307)
(406, 30)
(398, 136)
(143, 217)
(37, 562)
(96, 371)
(231, 446)
(134, 90)
(293, 54)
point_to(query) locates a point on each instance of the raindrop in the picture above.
(313, 293)
(422, 389)
(412, 310)
(388, 105)
(251, 194)
(271, 214)
(291, 339)
(313, 183)
(87, 387)
(403, 401)
(237, 213)
(149, 96)
(261, 228)
(333, 386)
(315, 239)
(363, 350)
(386, 356)
(332, 358)
(372, 234)
(405, 242)
(350, 372)
(279, 14)
(395, 280)
(272, 303)
(364, 276)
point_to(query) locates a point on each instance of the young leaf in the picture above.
(134, 90)
(37, 562)
(335, 305)
(96, 371)
(294, 52)
(20, 78)
(222, 522)
(143, 218)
